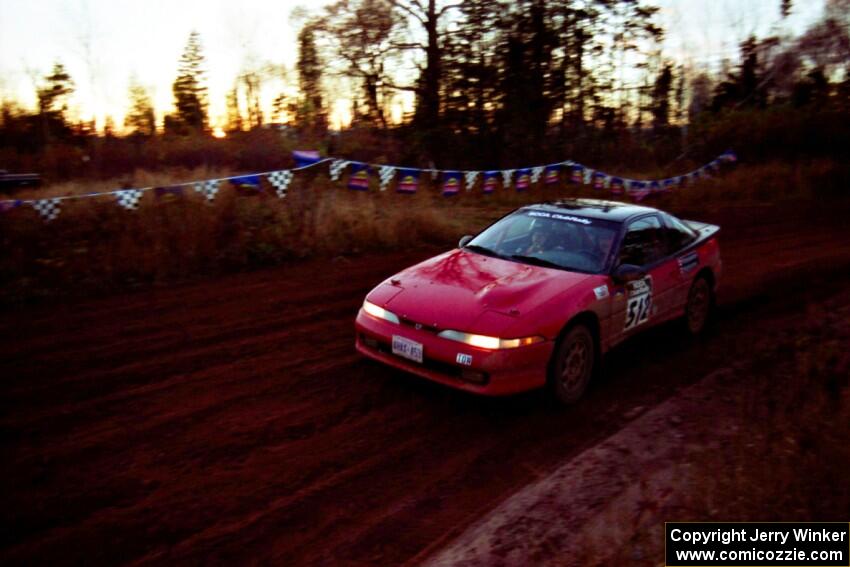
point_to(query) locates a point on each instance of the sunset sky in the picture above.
(103, 43)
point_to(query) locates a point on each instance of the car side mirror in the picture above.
(625, 273)
(464, 240)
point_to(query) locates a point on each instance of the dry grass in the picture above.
(771, 182)
(95, 246)
(789, 459)
(791, 463)
(138, 178)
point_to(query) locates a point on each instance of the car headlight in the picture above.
(379, 312)
(492, 343)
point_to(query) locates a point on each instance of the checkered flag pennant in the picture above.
(337, 167)
(128, 198)
(209, 189)
(536, 172)
(507, 175)
(469, 178)
(588, 175)
(280, 180)
(386, 174)
(47, 208)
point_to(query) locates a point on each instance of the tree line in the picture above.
(504, 83)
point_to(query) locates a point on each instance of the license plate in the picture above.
(408, 349)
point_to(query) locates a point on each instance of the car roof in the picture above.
(593, 208)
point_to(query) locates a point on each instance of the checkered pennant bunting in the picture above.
(47, 208)
(588, 175)
(337, 167)
(128, 198)
(386, 174)
(469, 178)
(507, 175)
(209, 189)
(280, 180)
(536, 172)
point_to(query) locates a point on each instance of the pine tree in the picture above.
(281, 107)
(109, 127)
(660, 106)
(470, 76)
(53, 96)
(311, 116)
(749, 85)
(140, 117)
(234, 122)
(190, 93)
(252, 81)
(53, 102)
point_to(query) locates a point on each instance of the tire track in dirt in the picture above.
(269, 439)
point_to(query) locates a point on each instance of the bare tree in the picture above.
(364, 34)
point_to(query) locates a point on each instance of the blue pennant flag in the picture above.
(491, 181)
(408, 180)
(728, 157)
(6, 206)
(616, 186)
(358, 178)
(599, 180)
(247, 185)
(637, 189)
(523, 179)
(577, 174)
(552, 174)
(303, 158)
(451, 183)
(669, 184)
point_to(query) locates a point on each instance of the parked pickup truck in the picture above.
(10, 182)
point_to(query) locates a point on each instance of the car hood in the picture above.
(471, 292)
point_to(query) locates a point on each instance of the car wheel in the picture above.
(698, 307)
(573, 364)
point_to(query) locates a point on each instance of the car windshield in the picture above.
(550, 239)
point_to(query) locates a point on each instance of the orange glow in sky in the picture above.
(105, 43)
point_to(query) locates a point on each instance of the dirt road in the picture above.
(232, 420)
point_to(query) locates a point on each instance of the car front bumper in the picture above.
(490, 372)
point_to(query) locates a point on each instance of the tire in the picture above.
(573, 363)
(698, 309)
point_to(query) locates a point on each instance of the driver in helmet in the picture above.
(538, 242)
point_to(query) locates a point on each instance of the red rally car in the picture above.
(540, 295)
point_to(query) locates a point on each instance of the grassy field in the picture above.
(94, 246)
(789, 462)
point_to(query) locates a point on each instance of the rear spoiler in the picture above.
(704, 230)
